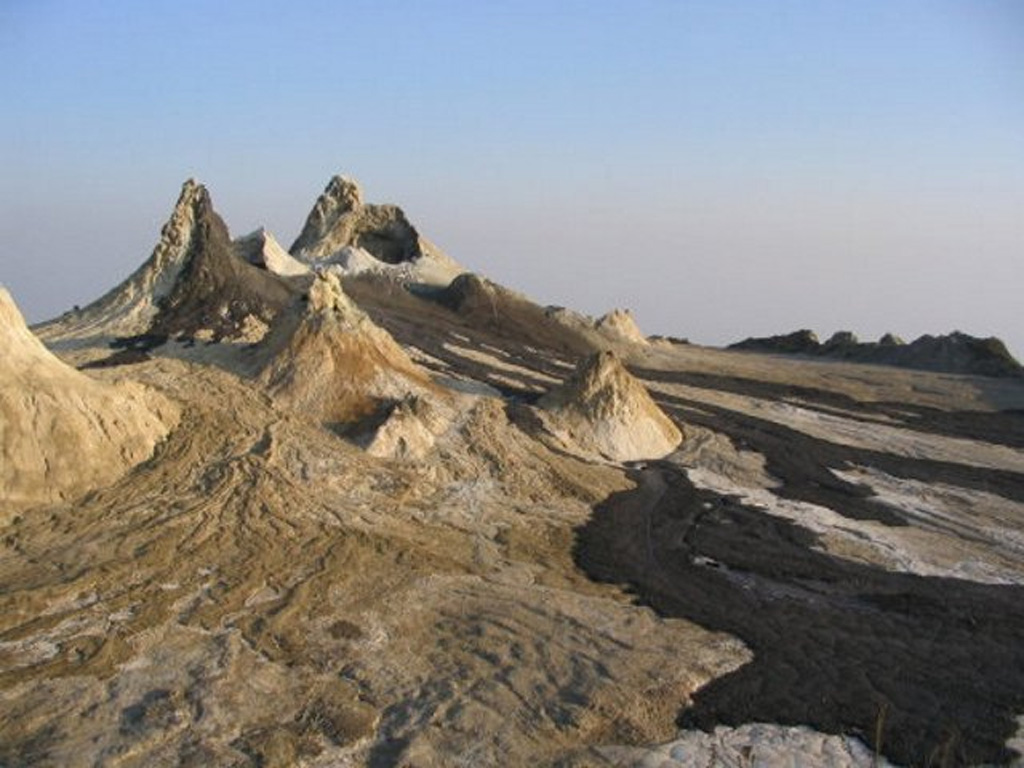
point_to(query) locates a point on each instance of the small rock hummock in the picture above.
(603, 409)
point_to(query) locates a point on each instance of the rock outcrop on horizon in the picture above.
(328, 360)
(193, 285)
(63, 433)
(603, 409)
(952, 353)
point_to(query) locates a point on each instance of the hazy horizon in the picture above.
(723, 169)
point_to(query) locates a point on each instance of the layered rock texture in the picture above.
(330, 361)
(953, 353)
(63, 433)
(603, 409)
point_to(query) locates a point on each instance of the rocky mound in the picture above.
(192, 285)
(63, 433)
(262, 250)
(487, 305)
(603, 409)
(354, 236)
(217, 294)
(328, 359)
(798, 342)
(620, 325)
(490, 306)
(405, 433)
(953, 353)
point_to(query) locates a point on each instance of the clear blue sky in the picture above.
(723, 168)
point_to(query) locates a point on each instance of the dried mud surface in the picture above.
(262, 592)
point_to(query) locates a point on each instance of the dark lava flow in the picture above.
(937, 663)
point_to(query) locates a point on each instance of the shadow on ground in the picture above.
(936, 664)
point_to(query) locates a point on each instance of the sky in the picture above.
(724, 169)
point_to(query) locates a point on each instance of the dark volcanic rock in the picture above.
(192, 281)
(798, 342)
(954, 353)
(841, 340)
(216, 291)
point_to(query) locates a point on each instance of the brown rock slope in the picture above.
(63, 433)
(330, 361)
(602, 409)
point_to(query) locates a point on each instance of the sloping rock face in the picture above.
(63, 433)
(192, 282)
(953, 353)
(340, 218)
(330, 361)
(603, 409)
(261, 249)
(891, 340)
(841, 340)
(129, 308)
